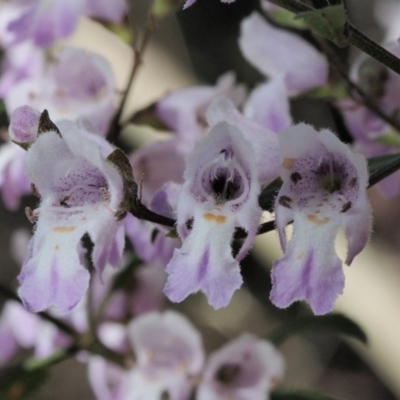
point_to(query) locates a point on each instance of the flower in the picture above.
(13, 181)
(45, 21)
(184, 110)
(372, 135)
(168, 351)
(245, 369)
(74, 84)
(263, 141)
(268, 104)
(220, 194)
(324, 188)
(276, 52)
(81, 192)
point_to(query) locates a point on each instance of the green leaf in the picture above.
(382, 166)
(329, 22)
(164, 8)
(390, 139)
(123, 31)
(297, 394)
(329, 91)
(286, 18)
(17, 383)
(334, 323)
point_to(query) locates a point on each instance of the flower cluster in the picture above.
(190, 204)
(170, 360)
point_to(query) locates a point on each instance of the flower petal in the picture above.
(283, 52)
(268, 105)
(264, 142)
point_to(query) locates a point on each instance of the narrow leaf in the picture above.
(382, 166)
(329, 22)
(165, 8)
(286, 18)
(333, 323)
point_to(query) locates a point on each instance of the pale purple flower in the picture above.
(373, 136)
(45, 21)
(22, 61)
(263, 141)
(9, 11)
(274, 51)
(189, 3)
(18, 328)
(74, 84)
(184, 110)
(158, 163)
(168, 352)
(105, 378)
(21, 329)
(147, 295)
(13, 181)
(18, 61)
(150, 244)
(220, 194)
(324, 189)
(268, 104)
(149, 241)
(244, 369)
(24, 123)
(81, 192)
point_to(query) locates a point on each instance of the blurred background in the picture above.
(197, 46)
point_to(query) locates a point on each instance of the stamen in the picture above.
(105, 194)
(246, 187)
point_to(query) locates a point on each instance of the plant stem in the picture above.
(354, 90)
(138, 49)
(355, 37)
(364, 43)
(58, 356)
(81, 341)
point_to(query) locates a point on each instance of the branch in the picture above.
(354, 90)
(354, 36)
(81, 341)
(138, 50)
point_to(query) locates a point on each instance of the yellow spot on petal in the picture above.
(64, 229)
(300, 255)
(56, 247)
(318, 221)
(219, 219)
(288, 163)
